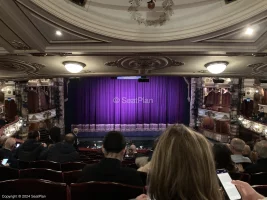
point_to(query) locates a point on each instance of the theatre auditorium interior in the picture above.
(133, 99)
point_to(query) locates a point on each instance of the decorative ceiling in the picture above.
(38, 35)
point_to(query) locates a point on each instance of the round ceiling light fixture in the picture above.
(216, 67)
(74, 66)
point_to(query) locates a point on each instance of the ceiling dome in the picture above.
(190, 17)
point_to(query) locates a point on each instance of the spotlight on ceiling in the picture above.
(58, 33)
(216, 67)
(249, 31)
(73, 66)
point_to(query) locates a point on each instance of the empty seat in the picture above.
(33, 187)
(38, 173)
(72, 166)
(72, 176)
(259, 178)
(45, 164)
(262, 189)
(7, 173)
(104, 190)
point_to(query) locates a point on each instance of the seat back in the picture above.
(262, 189)
(104, 190)
(29, 187)
(39, 173)
(72, 176)
(72, 166)
(45, 164)
(143, 176)
(240, 176)
(259, 178)
(7, 173)
(23, 164)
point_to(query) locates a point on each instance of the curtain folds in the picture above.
(102, 100)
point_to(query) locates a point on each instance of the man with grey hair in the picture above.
(260, 149)
(237, 147)
(7, 152)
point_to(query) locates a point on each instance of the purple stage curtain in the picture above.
(102, 100)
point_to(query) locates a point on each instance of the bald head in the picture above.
(10, 143)
(261, 149)
(133, 148)
(69, 138)
(237, 145)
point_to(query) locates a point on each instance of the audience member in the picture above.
(246, 191)
(237, 146)
(182, 167)
(141, 161)
(246, 152)
(3, 121)
(109, 169)
(44, 134)
(75, 133)
(63, 151)
(153, 148)
(132, 151)
(55, 135)
(31, 149)
(7, 152)
(260, 149)
(2, 141)
(222, 157)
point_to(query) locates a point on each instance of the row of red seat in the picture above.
(67, 177)
(41, 189)
(252, 179)
(65, 166)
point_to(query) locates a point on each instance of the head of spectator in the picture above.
(34, 135)
(114, 145)
(261, 149)
(182, 167)
(55, 134)
(42, 125)
(2, 141)
(133, 148)
(10, 144)
(237, 146)
(222, 157)
(75, 131)
(246, 152)
(69, 139)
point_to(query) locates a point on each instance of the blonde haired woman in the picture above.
(182, 167)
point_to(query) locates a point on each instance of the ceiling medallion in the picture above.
(258, 68)
(167, 12)
(20, 66)
(144, 64)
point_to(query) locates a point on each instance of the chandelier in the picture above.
(136, 15)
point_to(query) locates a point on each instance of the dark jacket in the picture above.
(12, 161)
(44, 136)
(62, 152)
(110, 170)
(260, 166)
(30, 150)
